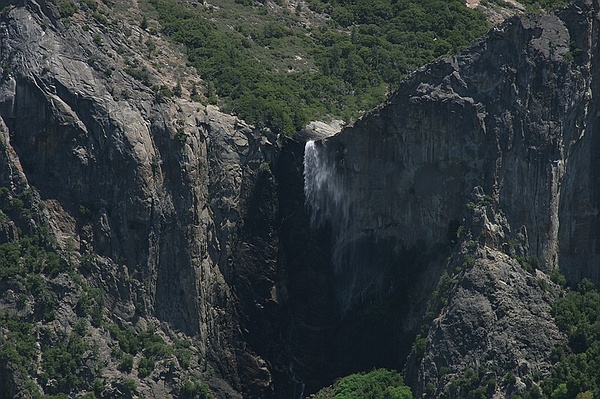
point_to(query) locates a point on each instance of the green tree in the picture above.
(577, 314)
(560, 392)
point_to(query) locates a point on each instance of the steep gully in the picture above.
(331, 323)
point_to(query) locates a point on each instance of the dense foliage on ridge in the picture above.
(273, 68)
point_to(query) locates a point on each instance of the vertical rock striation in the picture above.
(515, 119)
(515, 115)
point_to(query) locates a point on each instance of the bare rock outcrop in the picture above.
(492, 330)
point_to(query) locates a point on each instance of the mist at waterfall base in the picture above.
(358, 259)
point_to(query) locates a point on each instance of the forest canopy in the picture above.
(281, 67)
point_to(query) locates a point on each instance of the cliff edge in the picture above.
(493, 150)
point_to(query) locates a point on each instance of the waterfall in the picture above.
(330, 202)
(324, 191)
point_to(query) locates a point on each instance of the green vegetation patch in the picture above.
(152, 346)
(543, 5)
(17, 342)
(281, 68)
(472, 384)
(377, 384)
(192, 388)
(18, 348)
(576, 373)
(64, 363)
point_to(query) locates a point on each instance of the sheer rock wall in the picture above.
(153, 189)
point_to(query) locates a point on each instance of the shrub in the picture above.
(126, 363)
(529, 264)
(97, 39)
(80, 327)
(195, 389)
(472, 383)
(145, 367)
(163, 92)
(557, 277)
(130, 385)
(128, 340)
(66, 8)
(141, 74)
(92, 303)
(178, 90)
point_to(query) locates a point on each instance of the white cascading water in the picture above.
(329, 203)
(324, 191)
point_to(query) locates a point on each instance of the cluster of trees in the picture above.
(350, 62)
(576, 374)
(377, 384)
(29, 262)
(390, 38)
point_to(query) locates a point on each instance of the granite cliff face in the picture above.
(284, 265)
(150, 191)
(510, 115)
(490, 150)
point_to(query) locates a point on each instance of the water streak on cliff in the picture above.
(330, 204)
(323, 188)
